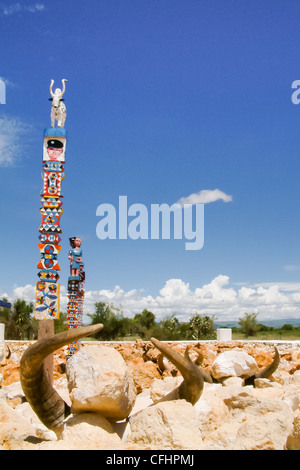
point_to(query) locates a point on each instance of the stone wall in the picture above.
(142, 357)
(228, 415)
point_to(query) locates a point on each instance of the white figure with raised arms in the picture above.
(58, 108)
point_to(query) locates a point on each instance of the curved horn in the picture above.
(206, 375)
(200, 357)
(267, 371)
(51, 86)
(192, 385)
(270, 369)
(8, 352)
(162, 365)
(43, 398)
(63, 85)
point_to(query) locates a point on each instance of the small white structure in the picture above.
(2, 346)
(2, 329)
(224, 334)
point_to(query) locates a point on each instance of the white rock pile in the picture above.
(108, 414)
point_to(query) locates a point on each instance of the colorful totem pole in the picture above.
(75, 291)
(47, 288)
(54, 150)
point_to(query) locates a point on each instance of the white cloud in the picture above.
(205, 197)
(12, 131)
(270, 300)
(18, 7)
(292, 267)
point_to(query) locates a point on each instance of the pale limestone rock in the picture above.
(14, 390)
(231, 390)
(61, 386)
(253, 424)
(266, 383)
(266, 422)
(269, 432)
(233, 381)
(166, 425)
(233, 364)
(99, 381)
(291, 396)
(90, 431)
(210, 409)
(295, 378)
(282, 377)
(293, 442)
(224, 437)
(41, 430)
(160, 388)
(14, 429)
(142, 401)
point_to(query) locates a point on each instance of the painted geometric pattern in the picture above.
(73, 284)
(47, 300)
(49, 248)
(53, 166)
(74, 310)
(73, 348)
(48, 275)
(49, 257)
(52, 183)
(50, 220)
(52, 238)
(51, 202)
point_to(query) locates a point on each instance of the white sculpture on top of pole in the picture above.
(58, 108)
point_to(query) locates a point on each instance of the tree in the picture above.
(202, 327)
(168, 329)
(114, 324)
(20, 323)
(60, 324)
(146, 319)
(249, 324)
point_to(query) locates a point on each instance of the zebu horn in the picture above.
(270, 369)
(267, 371)
(8, 352)
(206, 375)
(43, 398)
(192, 385)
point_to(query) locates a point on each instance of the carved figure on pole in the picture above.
(75, 255)
(58, 108)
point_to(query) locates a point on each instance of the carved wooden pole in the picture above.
(47, 288)
(75, 291)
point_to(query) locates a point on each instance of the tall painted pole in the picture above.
(47, 288)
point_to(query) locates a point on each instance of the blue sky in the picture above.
(164, 99)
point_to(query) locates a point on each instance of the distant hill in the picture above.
(274, 323)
